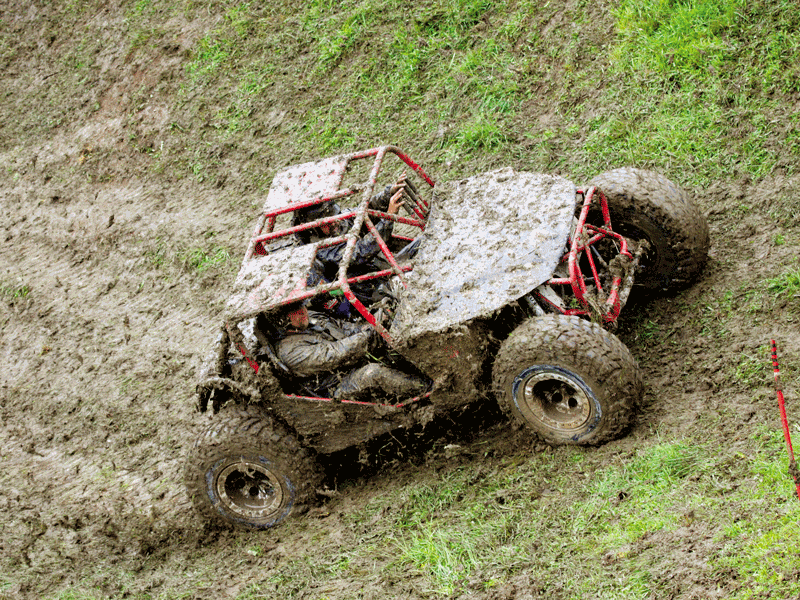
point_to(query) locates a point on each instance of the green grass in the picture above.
(694, 52)
(200, 260)
(534, 515)
(75, 595)
(754, 370)
(210, 55)
(787, 284)
(13, 291)
(688, 88)
(158, 254)
(675, 38)
(675, 69)
(720, 314)
(481, 133)
(444, 557)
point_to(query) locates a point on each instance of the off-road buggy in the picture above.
(513, 283)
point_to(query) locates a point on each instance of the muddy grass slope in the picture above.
(137, 142)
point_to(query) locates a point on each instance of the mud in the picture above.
(490, 239)
(266, 281)
(103, 324)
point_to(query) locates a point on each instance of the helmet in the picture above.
(280, 317)
(312, 213)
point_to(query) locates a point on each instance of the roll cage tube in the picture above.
(420, 208)
(582, 261)
(293, 196)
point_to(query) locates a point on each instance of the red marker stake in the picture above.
(793, 471)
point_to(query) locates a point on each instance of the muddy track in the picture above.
(104, 321)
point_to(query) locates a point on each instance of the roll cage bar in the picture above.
(599, 286)
(603, 299)
(293, 195)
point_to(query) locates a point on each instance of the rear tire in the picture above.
(647, 205)
(248, 471)
(567, 379)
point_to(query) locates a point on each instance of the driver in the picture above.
(316, 345)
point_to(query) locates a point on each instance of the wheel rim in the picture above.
(556, 399)
(250, 490)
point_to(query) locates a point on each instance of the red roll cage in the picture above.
(591, 294)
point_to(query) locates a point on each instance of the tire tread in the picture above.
(252, 429)
(654, 197)
(580, 345)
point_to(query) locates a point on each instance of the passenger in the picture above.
(367, 255)
(386, 201)
(316, 345)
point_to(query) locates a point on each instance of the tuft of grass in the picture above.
(156, 256)
(646, 332)
(482, 133)
(75, 594)
(334, 45)
(201, 260)
(753, 370)
(238, 116)
(211, 54)
(444, 556)
(330, 135)
(12, 291)
(787, 284)
(198, 260)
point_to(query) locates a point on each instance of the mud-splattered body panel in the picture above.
(490, 239)
(265, 281)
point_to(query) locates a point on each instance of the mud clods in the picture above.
(490, 239)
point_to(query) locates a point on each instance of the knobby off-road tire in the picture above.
(644, 204)
(569, 380)
(248, 471)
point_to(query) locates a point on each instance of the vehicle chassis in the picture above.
(590, 293)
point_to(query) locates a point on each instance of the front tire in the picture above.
(567, 379)
(647, 205)
(248, 471)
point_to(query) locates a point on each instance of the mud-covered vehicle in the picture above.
(503, 286)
